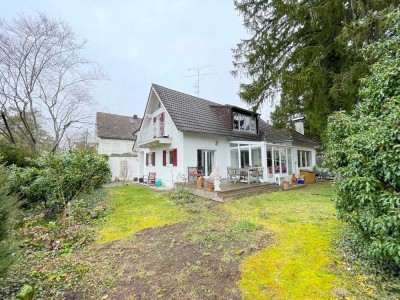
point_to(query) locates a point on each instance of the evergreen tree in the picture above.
(308, 53)
(363, 149)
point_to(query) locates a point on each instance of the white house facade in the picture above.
(179, 131)
(115, 136)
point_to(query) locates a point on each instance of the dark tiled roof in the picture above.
(274, 135)
(111, 126)
(193, 114)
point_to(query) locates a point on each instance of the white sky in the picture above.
(140, 42)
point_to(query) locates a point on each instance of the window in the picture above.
(304, 159)
(234, 159)
(170, 157)
(244, 123)
(151, 159)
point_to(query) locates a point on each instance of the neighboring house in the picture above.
(180, 131)
(115, 137)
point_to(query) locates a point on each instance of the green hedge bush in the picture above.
(364, 151)
(56, 179)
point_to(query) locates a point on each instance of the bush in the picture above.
(364, 150)
(8, 220)
(14, 155)
(57, 179)
(44, 259)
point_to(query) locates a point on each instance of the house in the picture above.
(179, 131)
(115, 137)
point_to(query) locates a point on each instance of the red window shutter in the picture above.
(147, 159)
(175, 157)
(164, 158)
(162, 117)
(154, 158)
(154, 119)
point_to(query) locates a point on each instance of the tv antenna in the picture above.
(200, 75)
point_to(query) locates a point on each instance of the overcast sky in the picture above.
(140, 42)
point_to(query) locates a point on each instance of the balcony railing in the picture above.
(157, 131)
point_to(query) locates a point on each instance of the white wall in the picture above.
(132, 167)
(111, 146)
(297, 147)
(168, 174)
(193, 142)
(187, 145)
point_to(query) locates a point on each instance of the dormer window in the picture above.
(244, 123)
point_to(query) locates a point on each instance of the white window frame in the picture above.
(150, 159)
(170, 157)
(305, 160)
(248, 121)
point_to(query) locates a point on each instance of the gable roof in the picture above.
(193, 114)
(117, 127)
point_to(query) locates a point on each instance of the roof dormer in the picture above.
(244, 121)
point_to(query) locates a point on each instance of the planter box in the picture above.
(309, 176)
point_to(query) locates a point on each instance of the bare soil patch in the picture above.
(170, 262)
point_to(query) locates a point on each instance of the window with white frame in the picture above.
(304, 159)
(244, 123)
(170, 157)
(151, 159)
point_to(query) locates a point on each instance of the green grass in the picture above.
(134, 209)
(300, 263)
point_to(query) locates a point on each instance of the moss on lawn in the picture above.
(300, 264)
(134, 209)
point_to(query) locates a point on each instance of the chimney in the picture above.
(135, 116)
(298, 121)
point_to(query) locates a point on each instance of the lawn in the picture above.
(299, 264)
(134, 209)
(274, 246)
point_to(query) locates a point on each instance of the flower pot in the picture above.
(294, 179)
(211, 186)
(200, 182)
(285, 184)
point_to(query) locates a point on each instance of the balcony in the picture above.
(155, 134)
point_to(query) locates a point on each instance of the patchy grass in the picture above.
(300, 263)
(134, 209)
(275, 246)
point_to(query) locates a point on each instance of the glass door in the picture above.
(205, 161)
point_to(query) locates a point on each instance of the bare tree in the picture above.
(44, 79)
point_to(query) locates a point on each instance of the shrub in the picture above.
(364, 150)
(14, 155)
(60, 178)
(8, 220)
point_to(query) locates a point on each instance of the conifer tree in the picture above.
(307, 53)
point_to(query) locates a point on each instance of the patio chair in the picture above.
(149, 179)
(233, 174)
(193, 173)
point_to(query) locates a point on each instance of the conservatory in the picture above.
(274, 162)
